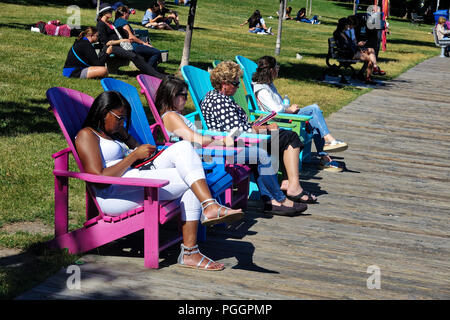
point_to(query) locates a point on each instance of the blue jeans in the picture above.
(318, 124)
(266, 177)
(150, 54)
(256, 30)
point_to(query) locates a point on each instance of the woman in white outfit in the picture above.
(106, 148)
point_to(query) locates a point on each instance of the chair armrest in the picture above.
(282, 115)
(94, 178)
(243, 135)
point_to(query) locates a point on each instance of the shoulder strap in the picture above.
(79, 58)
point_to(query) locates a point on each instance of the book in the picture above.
(264, 119)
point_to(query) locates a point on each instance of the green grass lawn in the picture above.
(30, 63)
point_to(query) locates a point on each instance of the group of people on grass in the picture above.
(106, 148)
(257, 24)
(83, 61)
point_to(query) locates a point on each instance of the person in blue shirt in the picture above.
(151, 55)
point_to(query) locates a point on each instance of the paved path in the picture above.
(389, 212)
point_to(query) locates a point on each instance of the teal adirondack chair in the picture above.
(297, 123)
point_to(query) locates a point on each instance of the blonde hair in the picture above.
(441, 20)
(225, 72)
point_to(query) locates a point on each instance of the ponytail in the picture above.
(86, 32)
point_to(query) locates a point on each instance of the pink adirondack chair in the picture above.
(240, 173)
(70, 108)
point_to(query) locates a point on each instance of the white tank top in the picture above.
(188, 123)
(112, 151)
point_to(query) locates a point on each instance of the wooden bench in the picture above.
(415, 18)
(440, 43)
(343, 64)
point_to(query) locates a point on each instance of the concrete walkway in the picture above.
(381, 230)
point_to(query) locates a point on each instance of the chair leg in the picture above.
(442, 52)
(151, 228)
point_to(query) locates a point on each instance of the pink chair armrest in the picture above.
(93, 178)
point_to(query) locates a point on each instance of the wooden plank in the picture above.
(391, 210)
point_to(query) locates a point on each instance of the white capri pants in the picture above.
(179, 164)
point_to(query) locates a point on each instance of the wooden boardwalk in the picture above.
(389, 211)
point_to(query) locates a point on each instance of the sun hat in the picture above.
(104, 7)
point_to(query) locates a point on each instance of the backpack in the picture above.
(54, 28)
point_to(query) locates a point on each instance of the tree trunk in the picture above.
(280, 26)
(188, 36)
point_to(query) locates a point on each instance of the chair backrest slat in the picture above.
(199, 85)
(140, 128)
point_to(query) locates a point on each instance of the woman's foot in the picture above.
(214, 213)
(297, 194)
(191, 257)
(335, 146)
(284, 208)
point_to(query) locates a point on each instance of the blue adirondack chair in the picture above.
(217, 178)
(296, 122)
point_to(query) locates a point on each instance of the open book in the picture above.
(264, 119)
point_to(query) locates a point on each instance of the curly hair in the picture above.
(263, 73)
(225, 72)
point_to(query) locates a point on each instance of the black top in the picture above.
(105, 33)
(345, 45)
(86, 52)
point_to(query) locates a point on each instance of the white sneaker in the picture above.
(269, 30)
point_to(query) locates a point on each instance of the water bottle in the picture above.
(286, 101)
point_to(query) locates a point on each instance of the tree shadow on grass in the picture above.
(25, 118)
(301, 71)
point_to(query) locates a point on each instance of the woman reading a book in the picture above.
(223, 114)
(269, 99)
(106, 148)
(170, 100)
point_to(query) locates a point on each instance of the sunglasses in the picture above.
(120, 118)
(235, 83)
(184, 94)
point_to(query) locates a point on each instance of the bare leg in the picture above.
(189, 230)
(97, 72)
(291, 163)
(201, 191)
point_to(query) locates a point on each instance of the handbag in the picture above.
(124, 44)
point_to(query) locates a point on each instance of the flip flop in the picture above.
(335, 146)
(284, 210)
(331, 166)
(298, 198)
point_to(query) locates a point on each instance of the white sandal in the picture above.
(193, 250)
(225, 218)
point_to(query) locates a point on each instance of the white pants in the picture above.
(179, 164)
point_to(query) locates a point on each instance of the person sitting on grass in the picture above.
(269, 99)
(82, 60)
(151, 55)
(108, 37)
(170, 100)
(301, 17)
(221, 113)
(256, 24)
(106, 148)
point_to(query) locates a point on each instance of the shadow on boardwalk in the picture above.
(389, 211)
